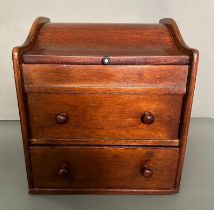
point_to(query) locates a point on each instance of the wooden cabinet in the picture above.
(104, 108)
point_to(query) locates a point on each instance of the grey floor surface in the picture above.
(197, 186)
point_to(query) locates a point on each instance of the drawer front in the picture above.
(91, 78)
(104, 167)
(104, 116)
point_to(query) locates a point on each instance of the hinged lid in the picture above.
(109, 44)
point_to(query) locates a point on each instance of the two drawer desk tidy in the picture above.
(104, 108)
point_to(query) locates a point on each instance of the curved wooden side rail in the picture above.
(179, 42)
(31, 38)
(16, 54)
(188, 98)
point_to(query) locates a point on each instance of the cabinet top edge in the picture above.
(89, 43)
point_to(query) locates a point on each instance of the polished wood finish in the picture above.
(123, 43)
(85, 141)
(104, 116)
(147, 172)
(64, 170)
(105, 79)
(102, 191)
(112, 99)
(61, 118)
(17, 66)
(188, 98)
(105, 167)
(147, 118)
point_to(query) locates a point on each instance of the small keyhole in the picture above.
(106, 60)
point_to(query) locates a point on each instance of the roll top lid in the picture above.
(120, 44)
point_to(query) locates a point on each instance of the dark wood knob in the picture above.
(63, 171)
(61, 118)
(147, 118)
(147, 172)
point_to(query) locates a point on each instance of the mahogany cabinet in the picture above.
(104, 108)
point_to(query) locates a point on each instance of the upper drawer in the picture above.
(104, 116)
(166, 79)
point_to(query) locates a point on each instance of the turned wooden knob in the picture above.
(63, 171)
(61, 118)
(147, 172)
(147, 118)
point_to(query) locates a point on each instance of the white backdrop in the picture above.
(194, 17)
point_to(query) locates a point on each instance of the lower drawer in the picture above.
(104, 167)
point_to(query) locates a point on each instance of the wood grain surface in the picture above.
(103, 116)
(93, 78)
(188, 98)
(85, 125)
(17, 66)
(104, 167)
(88, 43)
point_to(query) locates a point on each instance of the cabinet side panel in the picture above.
(186, 114)
(22, 112)
(188, 98)
(17, 62)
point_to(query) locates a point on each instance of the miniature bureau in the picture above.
(104, 108)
